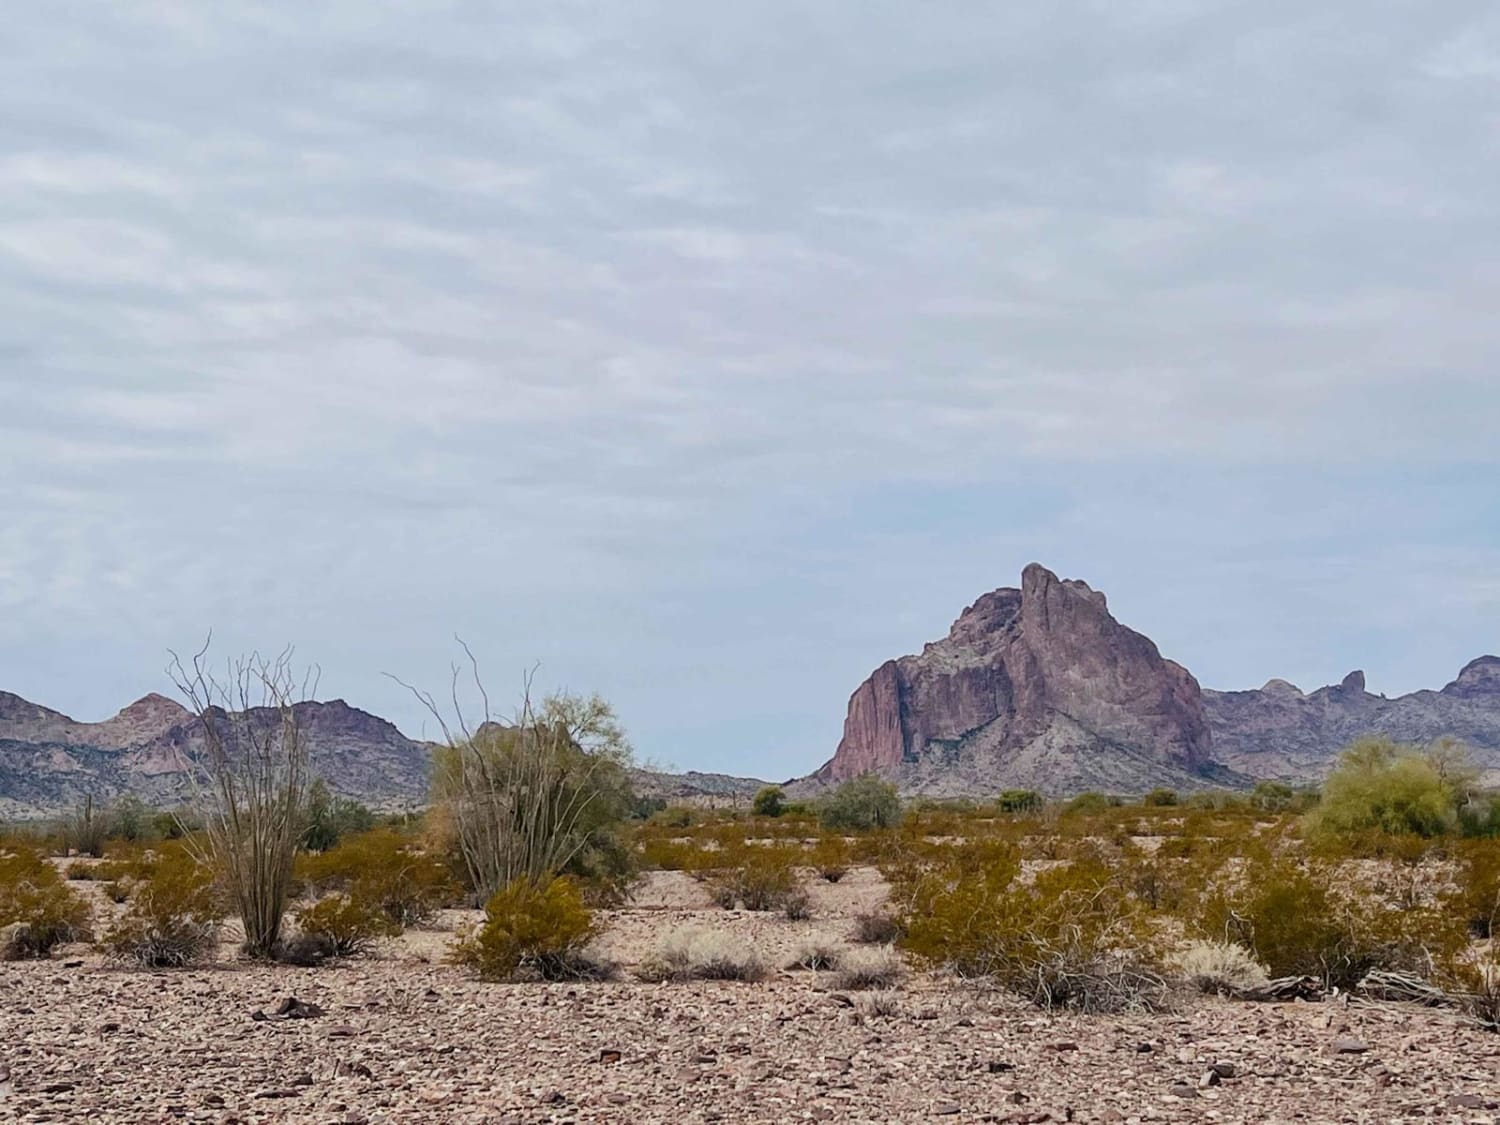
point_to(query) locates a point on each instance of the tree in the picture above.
(330, 818)
(538, 796)
(769, 801)
(865, 802)
(1379, 785)
(250, 783)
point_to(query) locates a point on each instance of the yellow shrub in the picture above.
(174, 918)
(348, 924)
(544, 928)
(386, 869)
(35, 898)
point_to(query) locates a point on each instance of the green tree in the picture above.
(1379, 785)
(861, 804)
(769, 801)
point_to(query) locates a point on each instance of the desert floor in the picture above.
(405, 1037)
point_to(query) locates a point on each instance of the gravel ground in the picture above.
(405, 1037)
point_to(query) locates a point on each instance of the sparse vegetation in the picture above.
(38, 910)
(545, 929)
(174, 919)
(861, 805)
(699, 954)
(770, 801)
(877, 967)
(347, 923)
(1219, 967)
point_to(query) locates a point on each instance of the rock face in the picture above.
(1277, 731)
(49, 762)
(1038, 687)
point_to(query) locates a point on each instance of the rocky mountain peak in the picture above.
(1480, 677)
(1025, 674)
(1353, 683)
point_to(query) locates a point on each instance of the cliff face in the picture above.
(1037, 686)
(1278, 731)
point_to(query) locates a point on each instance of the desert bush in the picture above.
(1160, 799)
(1479, 817)
(831, 857)
(349, 924)
(1072, 938)
(250, 783)
(698, 954)
(796, 905)
(1476, 896)
(118, 890)
(879, 967)
(384, 869)
(542, 796)
(1381, 786)
(1016, 801)
(1272, 796)
(877, 927)
(35, 899)
(1092, 803)
(1218, 967)
(174, 920)
(542, 928)
(673, 855)
(1301, 919)
(860, 805)
(330, 818)
(878, 1004)
(763, 879)
(818, 954)
(769, 801)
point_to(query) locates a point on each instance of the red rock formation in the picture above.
(1042, 666)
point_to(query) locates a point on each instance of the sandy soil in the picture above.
(407, 1038)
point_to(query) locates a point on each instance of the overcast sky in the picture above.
(712, 354)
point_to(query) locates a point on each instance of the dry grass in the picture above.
(1219, 967)
(697, 954)
(866, 969)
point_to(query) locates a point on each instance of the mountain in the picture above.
(1277, 731)
(50, 762)
(1037, 687)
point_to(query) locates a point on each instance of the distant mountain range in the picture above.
(1034, 687)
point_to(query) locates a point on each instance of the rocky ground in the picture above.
(405, 1037)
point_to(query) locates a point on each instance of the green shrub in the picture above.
(769, 801)
(1072, 938)
(38, 902)
(860, 805)
(1306, 919)
(1092, 803)
(831, 857)
(1476, 898)
(330, 818)
(174, 919)
(387, 870)
(1380, 786)
(1019, 801)
(1479, 818)
(348, 924)
(1272, 796)
(763, 879)
(1160, 799)
(542, 928)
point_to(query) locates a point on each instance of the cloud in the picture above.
(587, 330)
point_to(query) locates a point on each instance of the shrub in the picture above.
(1477, 895)
(762, 880)
(860, 805)
(330, 818)
(877, 927)
(698, 954)
(769, 801)
(542, 928)
(1219, 967)
(1092, 803)
(1160, 799)
(1272, 796)
(387, 870)
(831, 857)
(1019, 801)
(864, 969)
(543, 795)
(818, 954)
(1378, 785)
(348, 924)
(879, 1004)
(796, 905)
(35, 899)
(1071, 938)
(1304, 920)
(1479, 818)
(174, 919)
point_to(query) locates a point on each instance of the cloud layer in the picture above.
(711, 357)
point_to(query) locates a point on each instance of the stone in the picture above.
(1183, 1090)
(1348, 1045)
(1036, 687)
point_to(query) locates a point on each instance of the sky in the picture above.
(706, 356)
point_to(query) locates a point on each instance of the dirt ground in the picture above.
(405, 1037)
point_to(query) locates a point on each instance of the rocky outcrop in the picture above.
(1278, 731)
(1038, 686)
